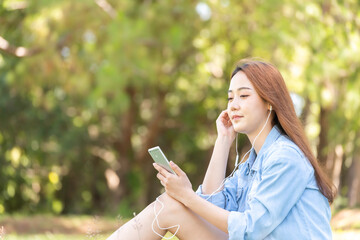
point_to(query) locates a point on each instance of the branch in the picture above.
(17, 51)
(104, 5)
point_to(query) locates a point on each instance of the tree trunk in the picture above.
(354, 177)
(323, 141)
(155, 127)
(305, 111)
(337, 165)
(124, 147)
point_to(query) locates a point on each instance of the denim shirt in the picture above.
(274, 195)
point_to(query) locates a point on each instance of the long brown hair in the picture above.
(270, 85)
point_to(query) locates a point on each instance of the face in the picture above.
(247, 111)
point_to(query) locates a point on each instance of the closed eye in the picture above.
(244, 96)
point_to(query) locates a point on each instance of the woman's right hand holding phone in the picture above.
(224, 126)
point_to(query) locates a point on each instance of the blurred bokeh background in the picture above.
(87, 86)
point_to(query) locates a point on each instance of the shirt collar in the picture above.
(274, 134)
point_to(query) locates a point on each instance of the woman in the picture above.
(279, 192)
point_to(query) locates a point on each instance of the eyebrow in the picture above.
(241, 88)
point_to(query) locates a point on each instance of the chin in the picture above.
(239, 129)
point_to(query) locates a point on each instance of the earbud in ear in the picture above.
(270, 108)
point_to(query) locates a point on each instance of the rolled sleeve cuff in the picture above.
(236, 225)
(218, 199)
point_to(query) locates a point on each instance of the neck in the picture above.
(260, 140)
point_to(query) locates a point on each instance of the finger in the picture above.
(222, 115)
(161, 178)
(162, 170)
(229, 123)
(224, 121)
(155, 166)
(176, 168)
(226, 114)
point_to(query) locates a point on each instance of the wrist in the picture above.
(188, 198)
(224, 140)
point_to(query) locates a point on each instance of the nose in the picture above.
(234, 104)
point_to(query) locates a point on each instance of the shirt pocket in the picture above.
(243, 187)
(253, 184)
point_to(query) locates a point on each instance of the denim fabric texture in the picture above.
(274, 195)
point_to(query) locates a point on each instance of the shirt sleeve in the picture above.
(226, 198)
(284, 177)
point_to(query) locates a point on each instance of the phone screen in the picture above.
(160, 158)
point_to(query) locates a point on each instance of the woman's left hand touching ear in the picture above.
(177, 186)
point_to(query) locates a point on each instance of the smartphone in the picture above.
(159, 158)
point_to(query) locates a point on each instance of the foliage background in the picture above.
(86, 87)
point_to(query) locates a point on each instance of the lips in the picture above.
(235, 117)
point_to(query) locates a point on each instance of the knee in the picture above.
(171, 207)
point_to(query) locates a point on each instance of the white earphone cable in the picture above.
(157, 221)
(237, 157)
(237, 153)
(214, 192)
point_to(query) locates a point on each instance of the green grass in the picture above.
(46, 227)
(338, 235)
(51, 237)
(167, 235)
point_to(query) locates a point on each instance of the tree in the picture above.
(88, 86)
